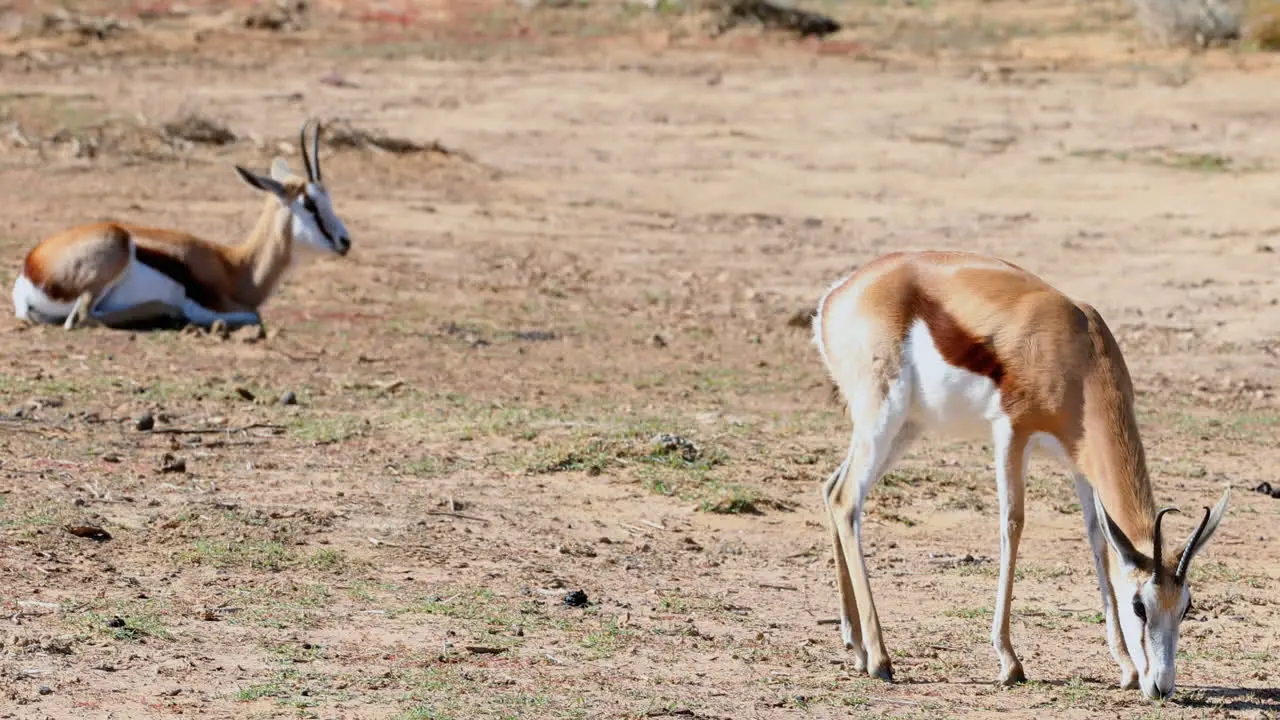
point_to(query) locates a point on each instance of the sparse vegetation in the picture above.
(569, 355)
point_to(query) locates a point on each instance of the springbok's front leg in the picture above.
(197, 314)
(1098, 543)
(1010, 455)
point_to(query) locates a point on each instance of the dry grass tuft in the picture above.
(196, 128)
(1202, 23)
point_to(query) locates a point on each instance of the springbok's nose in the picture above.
(344, 245)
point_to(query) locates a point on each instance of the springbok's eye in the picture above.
(1139, 609)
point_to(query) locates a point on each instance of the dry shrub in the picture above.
(1203, 23)
(1262, 24)
(201, 129)
(340, 133)
(279, 16)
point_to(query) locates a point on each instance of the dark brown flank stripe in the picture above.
(956, 344)
(175, 270)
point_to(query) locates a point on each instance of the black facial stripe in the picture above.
(1139, 609)
(310, 206)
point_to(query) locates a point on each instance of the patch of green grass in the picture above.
(258, 555)
(261, 690)
(422, 712)
(594, 457)
(1075, 690)
(1213, 572)
(127, 621)
(283, 606)
(465, 604)
(969, 613)
(295, 653)
(604, 642)
(329, 560)
(29, 521)
(674, 604)
(327, 430)
(734, 500)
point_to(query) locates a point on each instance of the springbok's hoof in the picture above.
(1013, 676)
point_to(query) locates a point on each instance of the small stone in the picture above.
(46, 690)
(144, 422)
(289, 398)
(577, 598)
(171, 464)
(245, 394)
(115, 622)
(657, 341)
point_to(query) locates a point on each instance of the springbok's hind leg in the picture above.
(850, 625)
(80, 315)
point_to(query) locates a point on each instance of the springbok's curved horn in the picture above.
(1185, 562)
(1157, 548)
(302, 147)
(315, 152)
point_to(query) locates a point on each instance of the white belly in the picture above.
(140, 284)
(946, 399)
(28, 297)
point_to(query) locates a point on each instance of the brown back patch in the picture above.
(955, 343)
(37, 272)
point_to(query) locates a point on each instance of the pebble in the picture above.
(144, 422)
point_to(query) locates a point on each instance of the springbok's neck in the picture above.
(264, 256)
(1112, 456)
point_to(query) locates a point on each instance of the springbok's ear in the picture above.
(1118, 541)
(1201, 536)
(280, 169)
(260, 182)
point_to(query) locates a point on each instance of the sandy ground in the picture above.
(623, 223)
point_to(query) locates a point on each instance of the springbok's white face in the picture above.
(315, 223)
(312, 220)
(1152, 597)
(1151, 616)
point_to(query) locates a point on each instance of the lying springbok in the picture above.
(117, 274)
(974, 346)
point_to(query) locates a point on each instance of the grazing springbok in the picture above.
(969, 345)
(117, 274)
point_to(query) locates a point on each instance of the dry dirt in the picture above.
(625, 223)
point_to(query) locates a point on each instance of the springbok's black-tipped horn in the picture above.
(302, 147)
(315, 152)
(1157, 547)
(1185, 562)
